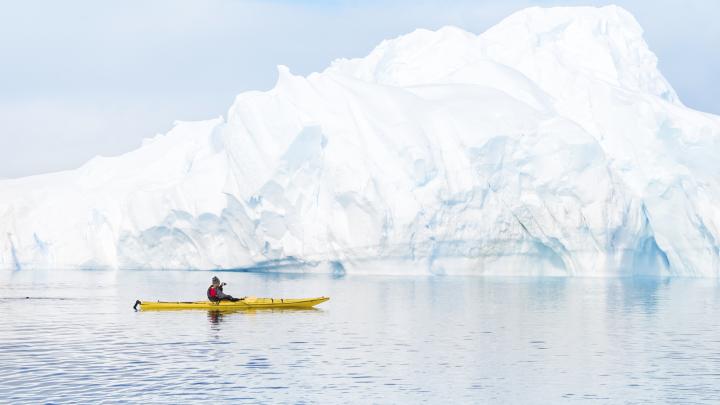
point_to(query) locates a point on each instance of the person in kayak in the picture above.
(215, 292)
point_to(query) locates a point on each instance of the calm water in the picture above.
(379, 340)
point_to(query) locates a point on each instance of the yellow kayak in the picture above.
(244, 303)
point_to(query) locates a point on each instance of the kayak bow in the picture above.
(244, 303)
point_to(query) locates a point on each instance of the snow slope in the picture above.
(548, 145)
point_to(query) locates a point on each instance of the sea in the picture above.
(73, 337)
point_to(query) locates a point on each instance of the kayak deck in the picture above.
(245, 303)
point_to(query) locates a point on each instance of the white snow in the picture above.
(548, 145)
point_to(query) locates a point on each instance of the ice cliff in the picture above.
(548, 145)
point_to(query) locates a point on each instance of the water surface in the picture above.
(378, 340)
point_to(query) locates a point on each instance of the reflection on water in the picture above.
(379, 340)
(641, 294)
(216, 316)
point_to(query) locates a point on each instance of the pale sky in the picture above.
(86, 78)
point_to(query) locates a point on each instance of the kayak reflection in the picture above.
(217, 316)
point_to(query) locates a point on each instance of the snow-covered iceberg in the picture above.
(548, 145)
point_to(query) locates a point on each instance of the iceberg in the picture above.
(550, 144)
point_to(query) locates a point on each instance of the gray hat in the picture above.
(215, 279)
